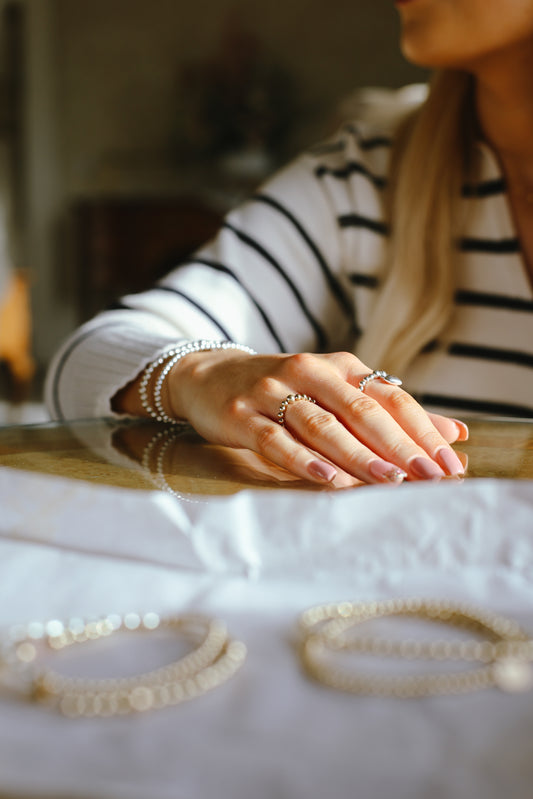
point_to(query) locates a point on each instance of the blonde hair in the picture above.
(431, 159)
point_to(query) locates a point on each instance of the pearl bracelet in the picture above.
(214, 661)
(168, 360)
(505, 656)
(147, 374)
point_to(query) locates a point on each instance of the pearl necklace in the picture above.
(215, 659)
(326, 632)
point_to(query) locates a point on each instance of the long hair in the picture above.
(430, 160)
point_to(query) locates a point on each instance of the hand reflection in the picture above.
(180, 462)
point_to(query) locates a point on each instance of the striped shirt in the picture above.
(296, 268)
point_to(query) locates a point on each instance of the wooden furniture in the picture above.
(124, 244)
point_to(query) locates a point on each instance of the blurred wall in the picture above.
(119, 64)
(102, 93)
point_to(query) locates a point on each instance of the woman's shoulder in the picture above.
(365, 126)
(382, 108)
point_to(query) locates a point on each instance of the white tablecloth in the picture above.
(256, 560)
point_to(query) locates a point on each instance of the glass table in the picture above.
(148, 456)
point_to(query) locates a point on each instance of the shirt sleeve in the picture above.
(276, 277)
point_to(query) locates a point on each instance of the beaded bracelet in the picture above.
(214, 661)
(168, 360)
(506, 656)
(147, 374)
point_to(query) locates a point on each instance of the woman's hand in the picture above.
(381, 435)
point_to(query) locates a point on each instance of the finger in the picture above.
(270, 440)
(464, 460)
(373, 426)
(345, 437)
(280, 446)
(398, 430)
(253, 467)
(321, 432)
(418, 426)
(451, 429)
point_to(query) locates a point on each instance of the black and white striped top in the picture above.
(295, 269)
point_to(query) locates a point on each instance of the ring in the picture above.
(379, 374)
(288, 401)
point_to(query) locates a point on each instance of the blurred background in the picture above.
(128, 127)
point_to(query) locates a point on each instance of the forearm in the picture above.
(100, 359)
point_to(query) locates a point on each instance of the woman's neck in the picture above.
(504, 102)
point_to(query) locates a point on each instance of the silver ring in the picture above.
(379, 374)
(289, 399)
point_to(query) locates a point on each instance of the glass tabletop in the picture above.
(149, 456)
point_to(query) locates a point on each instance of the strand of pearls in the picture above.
(147, 375)
(168, 359)
(327, 631)
(215, 659)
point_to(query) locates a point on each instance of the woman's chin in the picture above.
(421, 54)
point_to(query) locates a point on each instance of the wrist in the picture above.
(166, 404)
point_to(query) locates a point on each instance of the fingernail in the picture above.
(463, 430)
(449, 461)
(386, 472)
(324, 471)
(425, 469)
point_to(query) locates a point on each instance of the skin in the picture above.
(474, 35)
(349, 436)
(493, 40)
(380, 435)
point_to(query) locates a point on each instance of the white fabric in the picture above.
(257, 559)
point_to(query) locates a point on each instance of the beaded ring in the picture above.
(289, 399)
(379, 374)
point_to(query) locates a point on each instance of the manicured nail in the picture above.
(450, 462)
(386, 472)
(425, 469)
(463, 430)
(324, 471)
